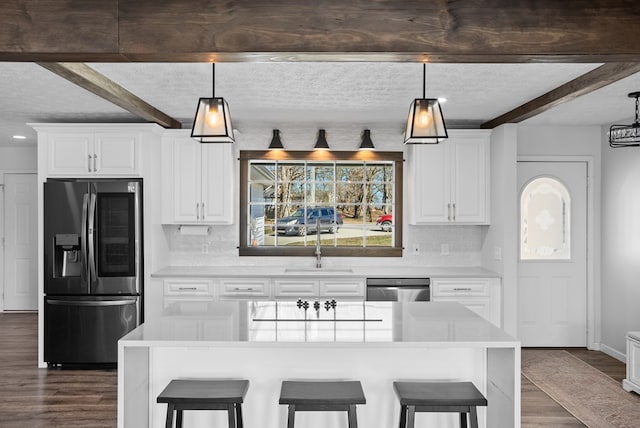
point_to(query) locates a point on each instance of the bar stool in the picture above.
(458, 397)
(340, 396)
(204, 394)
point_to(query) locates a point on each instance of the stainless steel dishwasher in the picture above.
(398, 289)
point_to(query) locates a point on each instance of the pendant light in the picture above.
(626, 135)
(276, 143)
(212, 123)
(425, 124)
(366, 144)
(321, 142)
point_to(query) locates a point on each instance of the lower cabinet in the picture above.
(244, 288)
(481, 295)
(632, 382)
(295, 288)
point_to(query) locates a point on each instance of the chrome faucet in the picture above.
(318, 252)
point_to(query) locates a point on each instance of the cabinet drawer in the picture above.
(295, 288)
(342, 288)
(231, 289)
(460, 287)
(188, 288)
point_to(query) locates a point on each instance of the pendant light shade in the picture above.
(321, 142)
(626, 135)
(367, 144)
(212, 123)
(425, 124)
(276, 143)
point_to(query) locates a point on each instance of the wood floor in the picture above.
(32, 397)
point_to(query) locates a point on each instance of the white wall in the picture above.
(465, 242)
(620, 244)
(499, 251)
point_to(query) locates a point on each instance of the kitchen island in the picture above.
(267, 342)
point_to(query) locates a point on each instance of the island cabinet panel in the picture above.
(90, 154)
(295, 288)
(197, 181)
(343, 288)
(481, 295)
(450, 181)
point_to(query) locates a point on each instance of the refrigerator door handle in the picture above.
(83, 237)
(59, 302)
(92, 258)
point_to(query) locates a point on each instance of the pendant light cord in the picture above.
(424, 81)
(213, 80)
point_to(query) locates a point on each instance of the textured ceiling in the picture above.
(319, 93)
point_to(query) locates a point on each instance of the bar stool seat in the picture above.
(204, 394)
(303, 396)
(457, 397)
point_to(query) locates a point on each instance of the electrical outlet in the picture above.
(416, 249)
(444, 249)
(205, 248)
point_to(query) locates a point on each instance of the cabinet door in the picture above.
(217, 183)
(295, 288)
(116, 153)
(430, 183)
(70, 154)
(343, 288)
(469, 179)
(186, 180)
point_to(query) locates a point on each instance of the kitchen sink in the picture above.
(318, 270)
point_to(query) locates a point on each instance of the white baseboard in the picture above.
(613, 353)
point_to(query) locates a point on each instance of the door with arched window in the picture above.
(552, 264)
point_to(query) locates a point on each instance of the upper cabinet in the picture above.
(197, 180)
(92, 149)
(449, 182)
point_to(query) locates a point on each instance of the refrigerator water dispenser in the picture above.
(68, 261)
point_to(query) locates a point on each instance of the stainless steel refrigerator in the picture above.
(93, 280)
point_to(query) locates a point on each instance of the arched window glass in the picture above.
(545, 220)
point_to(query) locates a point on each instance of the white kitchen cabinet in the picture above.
(449, 182)
(244, 288)
(198, 180)
(632, 381)
(481, 295)
(295, 288)
(81, 154)
(188, 291)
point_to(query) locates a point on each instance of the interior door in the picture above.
(21, 247)
(552, 266)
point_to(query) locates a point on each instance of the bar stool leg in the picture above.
(179, 418)
(239, 415)
(411, 416)
(473, 415)
(231, 416)
(403, 417)
(351, 413)
(169, 422)
(463, 420)
(292, 416)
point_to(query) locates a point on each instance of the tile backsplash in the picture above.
(424, 247)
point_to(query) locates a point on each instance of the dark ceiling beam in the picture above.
(588, 82)
(96, 83)
(323, 30)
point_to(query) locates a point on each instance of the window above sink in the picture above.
(351, 201)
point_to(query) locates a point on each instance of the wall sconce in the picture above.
(276, 143)
(366, 143)
(425, 124)
(212, 123)
(321, 142)
(626, 135)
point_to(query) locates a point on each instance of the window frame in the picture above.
(309, 251)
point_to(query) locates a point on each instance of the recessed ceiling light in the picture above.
(19, 137)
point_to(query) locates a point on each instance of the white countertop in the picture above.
(263, 323)
(356, 271)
